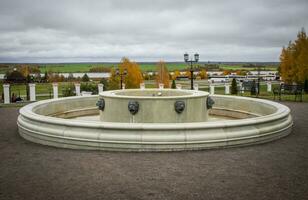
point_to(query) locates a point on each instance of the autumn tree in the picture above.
(114, 80)
(162, 74)
(134, 74)
(226, 72)
(188, 74)
(294, 60)
(27, 70)
(176, 73)
(203, 74)
(132, 79)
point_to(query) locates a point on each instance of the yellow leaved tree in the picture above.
(162, 74)
(202, 74)
(294, 60)
(132, 79)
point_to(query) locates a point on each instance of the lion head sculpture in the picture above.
(133, 107)
(179, 106)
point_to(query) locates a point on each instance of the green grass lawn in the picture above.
(85, 67)
(239, 67)
(71, 67)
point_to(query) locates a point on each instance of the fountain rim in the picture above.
(281, 112)
(190, 94)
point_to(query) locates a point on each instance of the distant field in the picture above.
(85, 67)
(239, 67)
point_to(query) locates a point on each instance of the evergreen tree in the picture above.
(306, 86)
(173, 85)
(85, 78)
(234, 86)
(253, 90)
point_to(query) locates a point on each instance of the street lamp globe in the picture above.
(186, 57)
(196, 57)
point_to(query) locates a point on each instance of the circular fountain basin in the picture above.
(59, 123)
(154, 106)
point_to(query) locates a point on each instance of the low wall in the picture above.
(272, 121)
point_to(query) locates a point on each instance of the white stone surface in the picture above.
(6, 93)
(155, 105)
(36, 124)
(100, 87)
(227, 88)
(85, 93)
(212, 89)
(77, 89)
(241, 87)
(142, 86)
(196, 86)
(55, 90)
(269, 86)
(32, 92)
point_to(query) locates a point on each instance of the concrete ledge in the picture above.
(36, 124)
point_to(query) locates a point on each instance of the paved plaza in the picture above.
(275, 170)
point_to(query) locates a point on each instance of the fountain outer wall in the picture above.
(37, 123)
(154, 109)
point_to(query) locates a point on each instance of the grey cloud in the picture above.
(147, 30)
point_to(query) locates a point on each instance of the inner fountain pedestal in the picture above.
(154, 106)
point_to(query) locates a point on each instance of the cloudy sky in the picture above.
(147, 30)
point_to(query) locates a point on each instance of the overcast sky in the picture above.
(147, 30)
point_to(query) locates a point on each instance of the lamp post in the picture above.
(259, 78)
(121, 74)
(191, 61)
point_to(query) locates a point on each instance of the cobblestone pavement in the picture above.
(275, 170)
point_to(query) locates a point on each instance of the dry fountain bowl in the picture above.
(60, 122)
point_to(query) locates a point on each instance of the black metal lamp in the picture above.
(186, 59)
(196, 57)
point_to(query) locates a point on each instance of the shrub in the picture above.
(105, 82)
(173, 85)
(69, 90)
(253, 90)
(89, 87)
(234, 86)
(306, 86)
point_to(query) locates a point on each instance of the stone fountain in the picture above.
(153, 120)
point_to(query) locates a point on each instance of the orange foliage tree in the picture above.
(188, 74)
(226, 72)
(294, 60)
(176, 73)
(132, 79)
(202, 74)
(162, 74)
